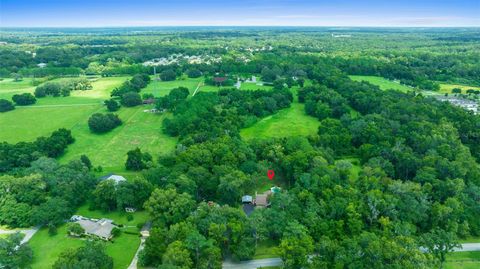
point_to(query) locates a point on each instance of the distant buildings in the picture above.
(42, 65)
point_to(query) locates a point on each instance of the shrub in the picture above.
(101, 123)
(112, 105)
(6, 105)
(168, 75)
(194, 73)
(24, 99)
(130, 99)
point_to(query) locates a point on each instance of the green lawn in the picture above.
(9, 87)
(109, 150)
(266, 249)
(447, 88)
(383, 83)
(47, 248)
(463, 260)
(291, 121)
(162, 88)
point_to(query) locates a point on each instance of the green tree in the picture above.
(295, 246)
(75, 229)
(91, 255)
(24, 99)
(6, 105)
(177, 255)
(136, 160)
(130, 99)
(102, 123)
(439, 243)
(112, 105)
(14, 255)
(168, 206)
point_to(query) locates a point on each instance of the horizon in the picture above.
(249, 13)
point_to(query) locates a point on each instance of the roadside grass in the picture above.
(266, 249)
(47, 249)
(463, 260)
(291, 121)
(447, 88)
(470, 240)
(383, 83)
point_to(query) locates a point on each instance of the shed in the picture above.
(247, 199)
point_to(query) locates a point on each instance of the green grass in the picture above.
(463, 260)
(109, 150)
(254, 86)
(291, 121)
(266, 249)
(383, 83)
(9, 87)
(162, 88)
(447, 88)
(139, 129)
(46, 248)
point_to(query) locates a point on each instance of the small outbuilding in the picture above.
(113, 177)
(247, 199)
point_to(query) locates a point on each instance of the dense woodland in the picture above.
(416, 194)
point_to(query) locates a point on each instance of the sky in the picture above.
(107, 13)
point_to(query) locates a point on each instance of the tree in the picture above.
(24, 99)
(194, 73)
(91, 255)
(168, 75)
(52, 213)
(177, 255)
(295, 246)
(112, 105)
(6, 105)
(456, 90)
(102, 123)
(75, 229)
(168, 206)
(14, 255)
(105, 195)
(86, 161)
(130, 99)
(136, 160)
(439, 243)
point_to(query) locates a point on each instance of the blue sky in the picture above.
(89, 13)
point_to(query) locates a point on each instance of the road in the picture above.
(252, 264)
(198, 87)
(29, 233)
(133, 264)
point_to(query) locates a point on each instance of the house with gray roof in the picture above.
(101, 228)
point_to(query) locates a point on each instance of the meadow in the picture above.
(463, 260)
(139, 129)
(291, 121)
(447, 88)
(383, 83)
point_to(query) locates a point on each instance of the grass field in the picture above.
(47, 248)
(266, 249)
(447, 88)
(109, 150)
(162, 88)
(463, 260)
(291, 121)
(9, 87)
(383, 83)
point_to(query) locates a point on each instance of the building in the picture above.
(247, 199)
(261, 200)
(145, 231)
(42, 65)
(101, 228)
(219, 80)
(113, 177)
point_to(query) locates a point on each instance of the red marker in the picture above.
(270, 174)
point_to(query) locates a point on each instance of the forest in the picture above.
(371, 177)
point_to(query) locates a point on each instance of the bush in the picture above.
(101, 123)
(168, 75)
(137, 160)
(116, 232)
(6, 105)
(194, 73)
(24, 99)
(112, 105)
(130, 99)
(129, 217)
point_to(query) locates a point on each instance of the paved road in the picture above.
(252, 264)
(198, 87)
(29, 233)
(133, 264)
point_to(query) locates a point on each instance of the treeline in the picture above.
(210, 115)
(20, 155)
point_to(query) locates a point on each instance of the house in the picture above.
(113, 177)
(261, 200)
(219, 80)
(101, 228)
(42, 65)
(247, 199)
